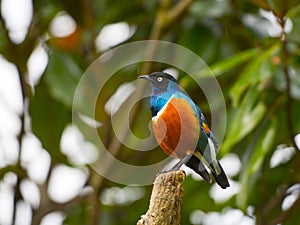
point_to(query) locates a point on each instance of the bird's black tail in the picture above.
(221, 179)
(195, 164)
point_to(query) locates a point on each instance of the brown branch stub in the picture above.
(166, 198)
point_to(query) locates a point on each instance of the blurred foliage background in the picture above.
(251, 46)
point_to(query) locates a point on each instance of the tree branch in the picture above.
(166, 198)
(166, 17)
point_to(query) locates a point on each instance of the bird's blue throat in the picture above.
(160, 96)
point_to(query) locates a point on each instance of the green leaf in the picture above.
(294, 11)
(257, 70)
(232, 62)
(49, 118)
(62, 76)
(264, 143)
(194, 38)
(77, 215)
(244, 119)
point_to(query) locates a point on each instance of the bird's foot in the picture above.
(177, 165)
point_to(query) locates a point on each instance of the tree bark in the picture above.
(166, 198)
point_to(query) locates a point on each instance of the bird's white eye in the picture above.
(159, 79)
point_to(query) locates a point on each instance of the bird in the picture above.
(181, 129)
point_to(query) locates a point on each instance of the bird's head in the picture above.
(161, 82)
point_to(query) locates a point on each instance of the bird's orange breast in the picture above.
(176, 128)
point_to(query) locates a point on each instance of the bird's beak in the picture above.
(145, 77)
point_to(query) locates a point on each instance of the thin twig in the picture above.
(52, 206)
(269, 206)
(165, 18)
(285, 214)
(21, 173)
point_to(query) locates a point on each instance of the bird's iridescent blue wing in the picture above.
(205, 127)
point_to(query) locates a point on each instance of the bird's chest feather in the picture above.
(176, 127)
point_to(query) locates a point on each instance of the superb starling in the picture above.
(181, 129)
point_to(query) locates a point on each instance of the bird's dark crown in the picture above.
(163, 75)
(161, 82)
